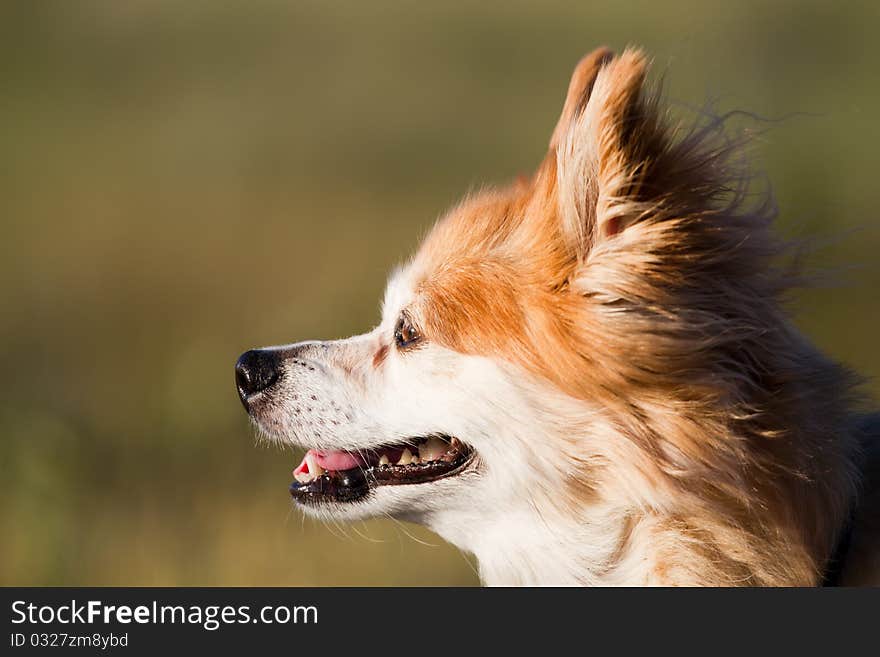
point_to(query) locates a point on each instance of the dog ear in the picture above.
(579, 89)
(600, 148)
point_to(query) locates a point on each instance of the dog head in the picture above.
(523, 351)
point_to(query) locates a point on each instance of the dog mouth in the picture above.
(343, 476)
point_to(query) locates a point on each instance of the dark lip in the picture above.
(356, 484)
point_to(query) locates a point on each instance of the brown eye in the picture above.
(405, 334)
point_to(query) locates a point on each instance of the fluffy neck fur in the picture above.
(653, 528)
(771, 520)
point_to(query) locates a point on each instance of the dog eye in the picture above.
(405, 334)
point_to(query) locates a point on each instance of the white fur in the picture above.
(507, 508)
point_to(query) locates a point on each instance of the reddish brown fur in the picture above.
(630, 273)
(381, 354)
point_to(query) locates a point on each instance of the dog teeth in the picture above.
(310, 470)
(432, 450)
(315, 470)
(405, 458)
(429, 450)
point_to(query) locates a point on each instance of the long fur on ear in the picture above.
(579, 90)
(596, 171)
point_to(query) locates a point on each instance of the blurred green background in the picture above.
(180, 181)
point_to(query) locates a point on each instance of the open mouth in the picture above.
(340, 476)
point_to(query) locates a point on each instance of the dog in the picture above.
(589, 378)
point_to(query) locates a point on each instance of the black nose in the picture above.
(255, 371)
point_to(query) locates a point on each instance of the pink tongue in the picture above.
(333, 460)
(337, 460)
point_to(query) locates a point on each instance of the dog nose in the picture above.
(255, 371)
